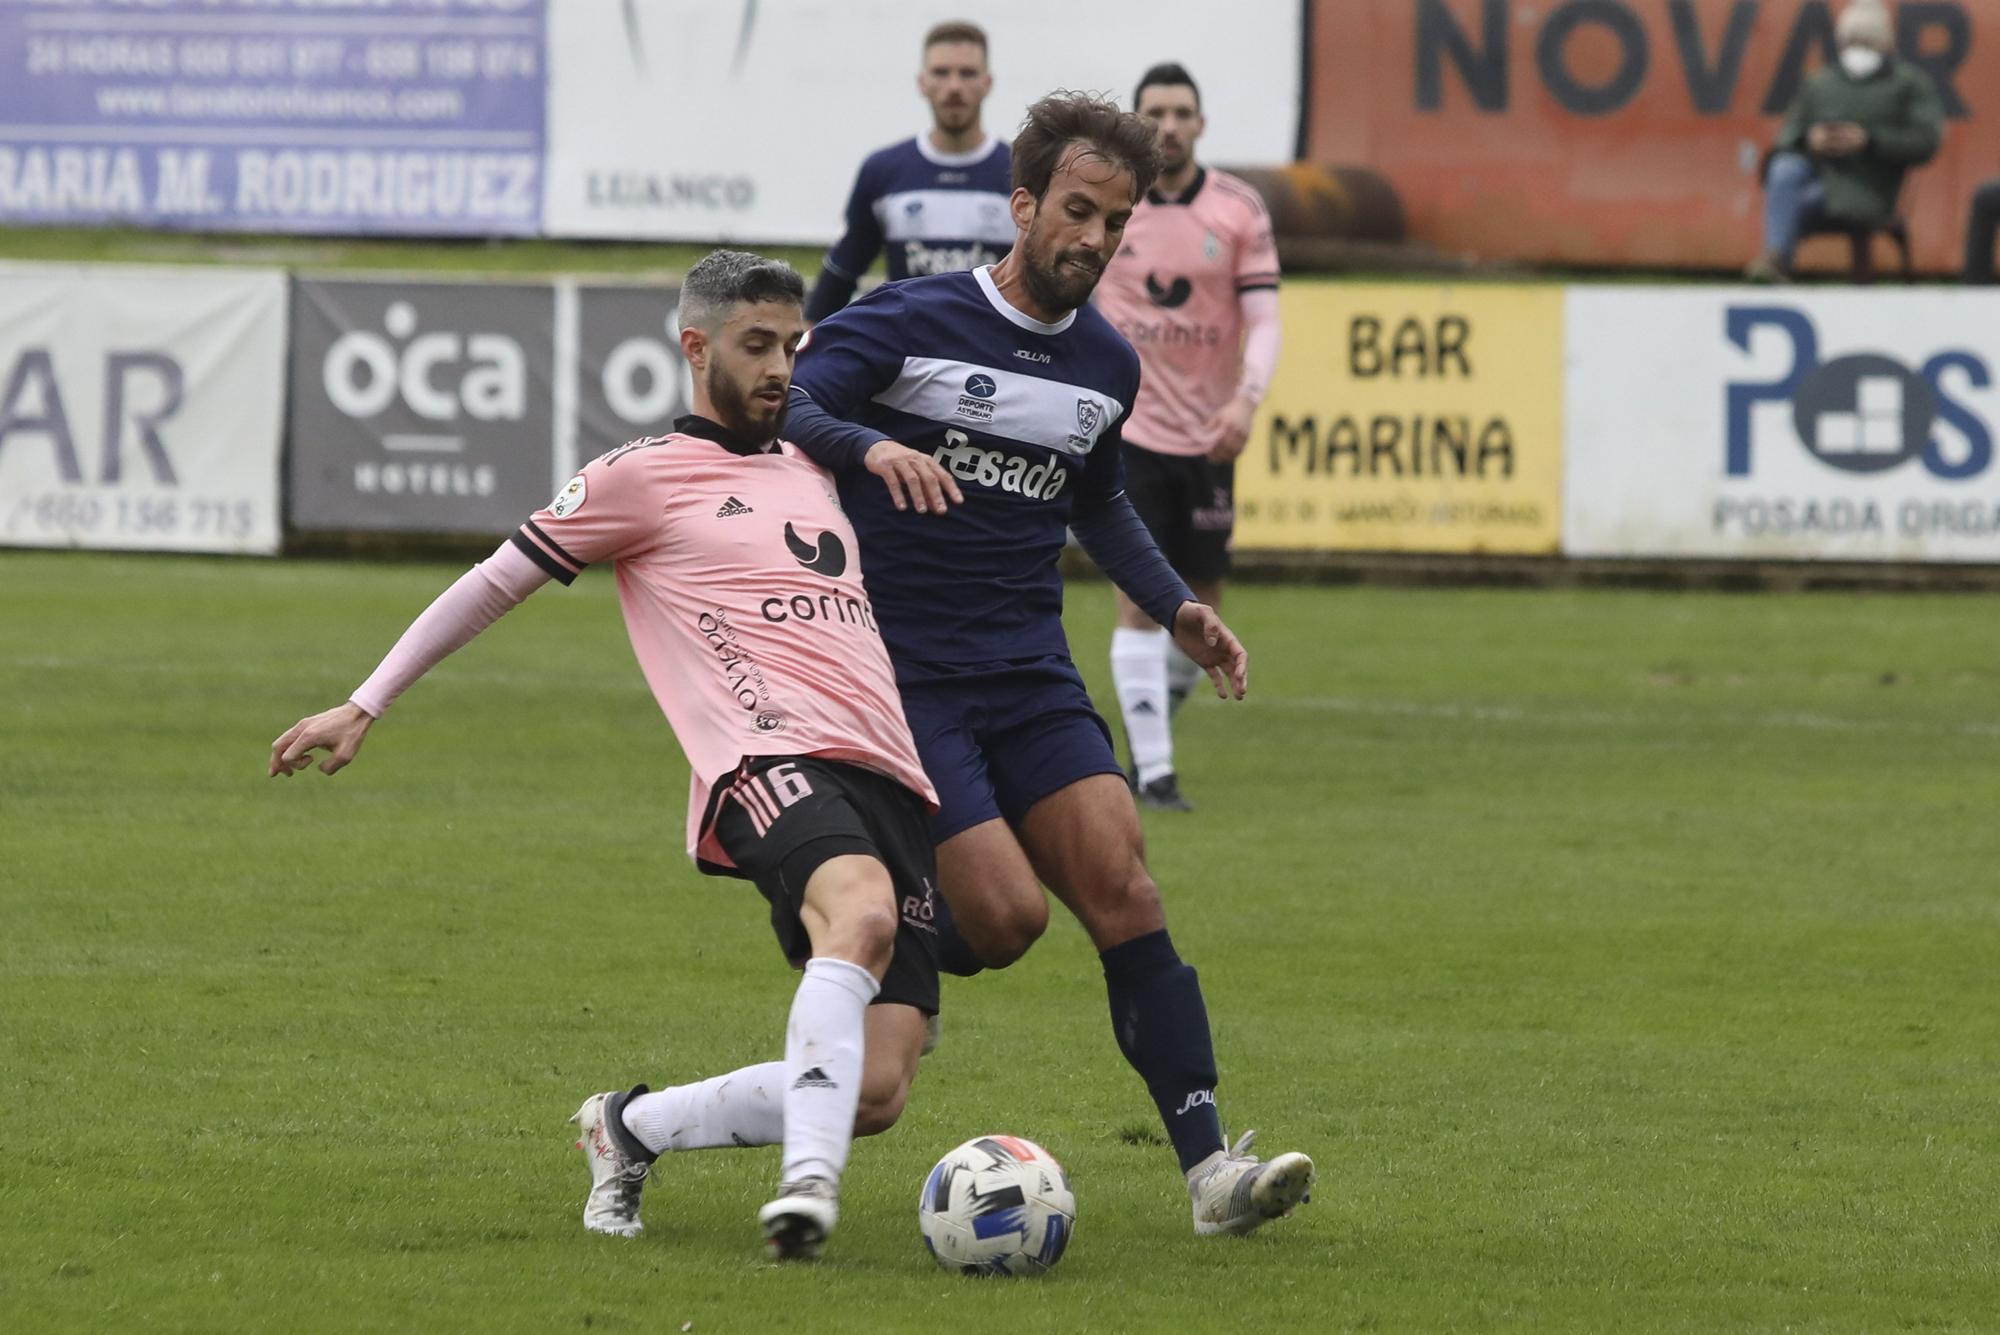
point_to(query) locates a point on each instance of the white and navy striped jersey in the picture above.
(1027, 416)
(933, 212)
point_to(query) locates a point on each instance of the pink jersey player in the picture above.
(741, 586)
(740, 582)
(1176, 289)
(1194, 287)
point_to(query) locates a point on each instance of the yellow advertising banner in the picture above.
(1409, 417)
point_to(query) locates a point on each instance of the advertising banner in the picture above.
(140, 408)
(1790, 425)
(630, 379)
(398, 116)
(1622, 132)
(703, 121)
(1409, 418)
(421, 407)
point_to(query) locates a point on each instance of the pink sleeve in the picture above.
(1256, 248)
(1260, 341)
(610, 510)
(481, 596)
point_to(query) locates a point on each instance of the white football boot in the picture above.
(797, 1223)
(617, 1172)
(1234, 1191)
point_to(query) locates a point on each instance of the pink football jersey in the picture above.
(740, 581)
(1172, 290)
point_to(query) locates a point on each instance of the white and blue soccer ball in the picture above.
(997, 1205)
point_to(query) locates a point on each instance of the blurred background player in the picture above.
(1194, 288)
(938, 201)
(1013, 390)
(804, 777)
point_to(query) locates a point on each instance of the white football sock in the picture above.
(823, 1054)
(1182, 677)
(740, 1109)
(1139, 668)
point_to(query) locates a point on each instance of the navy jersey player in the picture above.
(991, 403)
(937, 202)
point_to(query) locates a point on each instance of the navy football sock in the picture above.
(1161, 1024)
(954, 956)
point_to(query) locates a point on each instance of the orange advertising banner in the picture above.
(1621, 132)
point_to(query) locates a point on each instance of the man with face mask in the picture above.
(1848, 140)
(740, 584)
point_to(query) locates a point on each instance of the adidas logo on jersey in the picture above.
(732, 508)
(814, 1078)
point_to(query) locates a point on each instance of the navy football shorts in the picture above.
(996, 738)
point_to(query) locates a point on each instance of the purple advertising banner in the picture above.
(408, 117)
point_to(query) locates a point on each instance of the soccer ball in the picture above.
(998, 1205)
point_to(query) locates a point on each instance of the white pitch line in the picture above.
(1455, 711)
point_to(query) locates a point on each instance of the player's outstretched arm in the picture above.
(481, 596)
(913, 478)
(1214, 647)
(339, 732)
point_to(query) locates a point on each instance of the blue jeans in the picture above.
(1792, 194)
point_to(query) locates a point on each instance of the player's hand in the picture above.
(1230, 429)
(1201, 636)
(1820, 138)
(338, 732)
(913, 478)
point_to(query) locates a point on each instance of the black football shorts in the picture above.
(781, 817)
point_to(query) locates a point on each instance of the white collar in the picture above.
(984, 276)
(966, 159)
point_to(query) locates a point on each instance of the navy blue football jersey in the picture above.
(935, 212)
(1026, 415)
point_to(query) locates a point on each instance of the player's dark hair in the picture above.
(957, 30)
(1167, 74)
(725, 278)
(1063, 119)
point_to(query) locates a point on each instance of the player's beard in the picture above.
(1054, 278)
(1174, 159)
(955, 120)
(737, 408)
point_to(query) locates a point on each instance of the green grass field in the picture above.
(1627, 960)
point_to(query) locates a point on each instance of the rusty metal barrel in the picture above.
(1309, 200)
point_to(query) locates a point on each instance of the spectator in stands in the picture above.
(1981, 231)
(1854, 131)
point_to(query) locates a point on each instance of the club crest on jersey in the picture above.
(1089, 417)
(569, 500)
(1210, 247)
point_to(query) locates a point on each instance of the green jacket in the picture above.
(1900, 109)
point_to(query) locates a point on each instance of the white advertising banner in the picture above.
(141, 408)
(1830, 425)
(731, 120)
